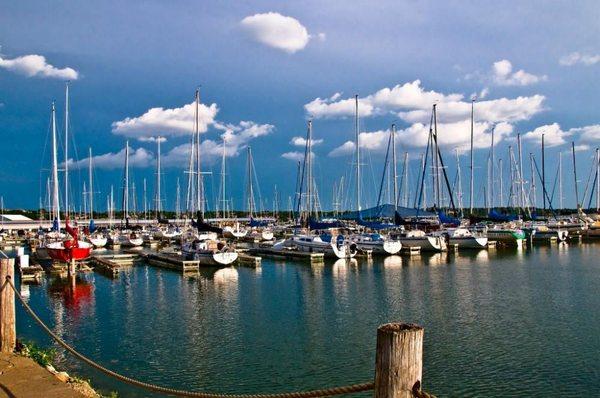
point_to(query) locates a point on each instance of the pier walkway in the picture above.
(22, 377)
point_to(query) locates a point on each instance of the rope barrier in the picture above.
(327, 392)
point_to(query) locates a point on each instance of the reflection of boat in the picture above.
(392, 262)
(209, 252)
(376, 243)
(226, 275)
(336, 248)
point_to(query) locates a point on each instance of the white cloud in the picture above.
(407, 96)
(554, 135)
(578, 58)
(36, 66)
(301, 141)
(345, 149)
(450, 136)
(153, 139)
(296, 156)
(167, 122)
(503, 75)
(278, 31)
(237, 137)
(137, 158)
(493, 111)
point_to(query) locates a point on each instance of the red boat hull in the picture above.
(60, 253)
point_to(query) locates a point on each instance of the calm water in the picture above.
(497, 324)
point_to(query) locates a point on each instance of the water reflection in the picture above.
(392, 262)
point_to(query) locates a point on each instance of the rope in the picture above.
(418, 393)
(327, 392)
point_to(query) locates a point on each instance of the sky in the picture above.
(265, 68)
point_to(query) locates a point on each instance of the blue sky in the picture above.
(533, 65)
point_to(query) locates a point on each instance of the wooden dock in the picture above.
(248, 260)
(173, 261)
(111, 264)
(286, 254)
(410, 251)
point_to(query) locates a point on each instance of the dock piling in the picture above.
(398, 360)
(8, 333)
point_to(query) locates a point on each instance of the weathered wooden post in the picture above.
(399, 360)
(8, 333)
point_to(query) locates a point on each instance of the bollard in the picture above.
(398, 360)
(8, 333)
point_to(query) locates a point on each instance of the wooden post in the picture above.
(8, 333)
(399, 360)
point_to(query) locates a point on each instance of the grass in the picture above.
(43, 356)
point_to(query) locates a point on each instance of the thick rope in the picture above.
(327, 392)
(418, 393)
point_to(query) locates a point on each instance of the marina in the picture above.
(396, 199)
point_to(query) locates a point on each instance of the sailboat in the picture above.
(127, 237)
(96, 238)
(70, 249)
(235, 231)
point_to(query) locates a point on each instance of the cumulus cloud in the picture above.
(296, 156)
(166, 122)
(554, 135)
(455, 135)
(579, 58)
(234, 138)
(113, 160)
(278, 31)
(503, 75)
(407, 96)
(301, 141)
(36, 66)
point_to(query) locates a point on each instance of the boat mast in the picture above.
(250, 188)
(394, 169)
(459, 193)
(309, 186)
(145, 202)
(178, 201)
(501, 181)
(356, 128)
(224, 209)
(521, 181)
(436, 161)
(158, 182)
(67, 150)
(492, 163)
(544, 174)
(126, 186)
(471, 165)
(560, 186)
(55, 198)
(575, 174)
(597, 180)
(533, 187)
(199, 192)
(91, 178)
(405, 179)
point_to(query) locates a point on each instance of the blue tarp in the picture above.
(258, 223)
(315, 224)
(92, 226)
(495, 216)
(55, 226)
(445, 219)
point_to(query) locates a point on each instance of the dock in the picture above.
(285, 254)
(248, 260)
(173, 261)
(410, 250)
(111, 264)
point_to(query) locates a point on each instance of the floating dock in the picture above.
(248, 260)
(111, 264)
(173, 261)
(285, 254)
(410, 250)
